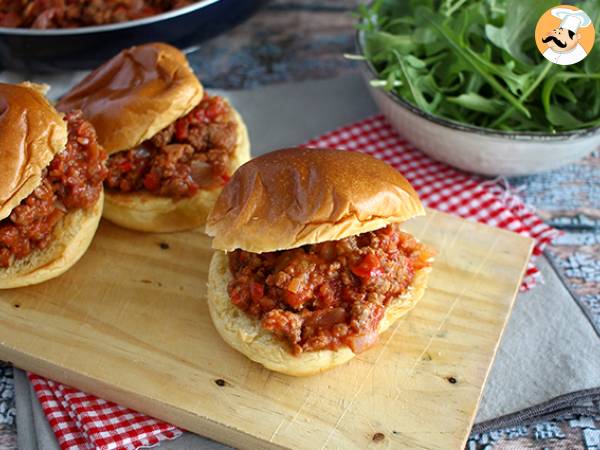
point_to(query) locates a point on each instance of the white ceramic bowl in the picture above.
(475, 149)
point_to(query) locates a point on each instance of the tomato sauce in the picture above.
(72, 181)
(190, 154)
(327, 295)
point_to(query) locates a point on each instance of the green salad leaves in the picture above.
(476, 62)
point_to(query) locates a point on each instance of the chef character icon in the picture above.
(563, 43)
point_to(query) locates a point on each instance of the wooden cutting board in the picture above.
(130, 324)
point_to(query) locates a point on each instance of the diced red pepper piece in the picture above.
(126, 166)
(370, 266)
(257, 291)
(152, 181)
(292, 299)
(181, 129)
(215, 109)
(236, 297)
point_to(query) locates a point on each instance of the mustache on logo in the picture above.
(556, 41)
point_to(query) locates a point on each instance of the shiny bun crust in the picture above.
(31, 133)
(245, 334)
(135, 94)
(143, 211)
(298, 196)
(71, 238)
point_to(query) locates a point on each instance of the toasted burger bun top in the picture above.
(298, 196)
(31, 133)
(135, 94)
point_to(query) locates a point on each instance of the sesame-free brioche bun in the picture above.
(134, 95)
(31, 133)
(298, 196)
(246, 335)
(71, 238)
(143, 211)
(290, 198)
(129, 99)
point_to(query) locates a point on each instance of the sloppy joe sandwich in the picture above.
(171, 146)
(312, 264)
(51, 175)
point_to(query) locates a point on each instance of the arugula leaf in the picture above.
(478, 103)
(377, 45)
(562, 118)
(519, 26)
(410, 74)
(474, 61)
(566, 93)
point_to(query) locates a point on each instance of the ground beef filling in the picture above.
(327, 295)
(72, 181)
(190, 154)
(44, 14)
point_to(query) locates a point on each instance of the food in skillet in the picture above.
(51, 174)
(172, 147)
(45, 14)
(311, 262)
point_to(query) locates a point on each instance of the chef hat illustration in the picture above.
(572, 19)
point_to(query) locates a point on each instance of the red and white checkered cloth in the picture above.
(82, 421)
(85, 422)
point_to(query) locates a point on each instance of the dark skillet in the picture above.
(87, 47)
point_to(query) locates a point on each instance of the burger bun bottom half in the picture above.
(245, 334)
(142, 211)
(72, 236)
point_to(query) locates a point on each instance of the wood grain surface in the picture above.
(130, 324)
